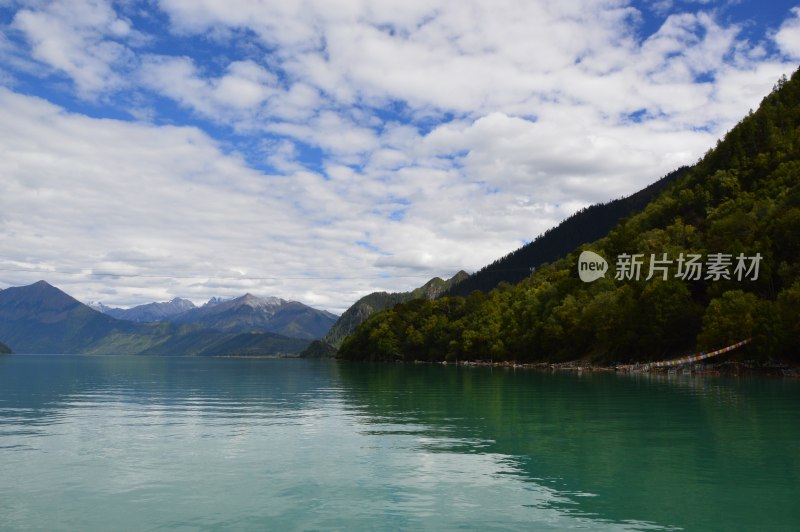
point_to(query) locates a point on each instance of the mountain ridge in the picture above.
(41, 318)
(270, 314)
(586, 225)
(241, 314)
(148, 312)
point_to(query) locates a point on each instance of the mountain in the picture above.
(149, 312)
(243, 314)
(100, 307)
(268, 314)
(586, 225)
(369, 305)
(437, 286)
(214, 301)
(377, 301)
(42, 319)
(738, 206)
(4, 349)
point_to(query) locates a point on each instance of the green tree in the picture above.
(728, 319)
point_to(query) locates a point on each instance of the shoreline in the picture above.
(721, 369)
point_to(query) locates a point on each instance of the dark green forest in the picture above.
(742, 197)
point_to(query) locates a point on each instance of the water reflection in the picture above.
(644, 448)
(235, 443)
(149, 395)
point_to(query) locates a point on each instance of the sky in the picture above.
(319, 150)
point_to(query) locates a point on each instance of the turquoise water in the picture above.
(143, 443)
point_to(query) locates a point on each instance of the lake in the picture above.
(147, 443)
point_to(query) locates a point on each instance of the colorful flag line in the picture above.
(691, 359)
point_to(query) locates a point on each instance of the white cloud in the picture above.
(788, 37)
(687, 45)
(84, 39)
(331, 132)
(238, 93)
(84, 195)
(443, 135)
(475, 58)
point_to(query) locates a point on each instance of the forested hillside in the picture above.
(368, 305)
(738, 204)
(586, 225)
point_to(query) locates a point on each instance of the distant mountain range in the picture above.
(42, 319)
(149, 312)
(271, 314)
(369, 305)
(241, 314)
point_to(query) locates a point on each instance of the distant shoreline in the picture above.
(721, 369)
(249, 356)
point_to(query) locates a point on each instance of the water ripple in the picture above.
(148, 443)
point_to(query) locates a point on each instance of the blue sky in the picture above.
(319, 150)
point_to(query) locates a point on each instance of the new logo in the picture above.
(591, 266)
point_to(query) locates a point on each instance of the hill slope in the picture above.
(741, 200)
(377, 301)
(587, 225)
(42, 319)
(369, 305)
